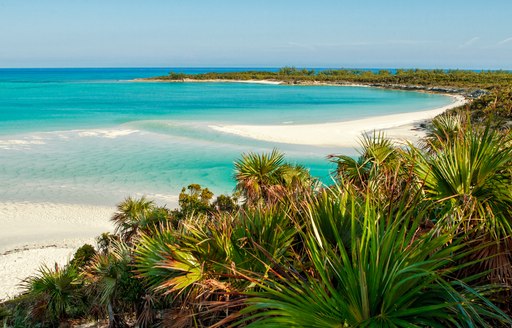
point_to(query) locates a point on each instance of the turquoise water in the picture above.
(93, 136)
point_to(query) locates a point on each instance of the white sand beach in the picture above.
(33, 234)
(212, 81)
(400, 127)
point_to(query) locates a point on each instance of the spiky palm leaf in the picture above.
(56, 292)
(296, 176)
(112, 283)
(134, 215)
(443, 129)
(258, 174)
(384, 276)
(199, 261)
(378, 149)
(105, 270)
(172, 260)
(376, 155)
(471, 176)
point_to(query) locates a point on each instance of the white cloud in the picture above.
(369, 43)
(505, 41)
(470, 42)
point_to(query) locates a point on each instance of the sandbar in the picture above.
(400, 127)
(212, 81)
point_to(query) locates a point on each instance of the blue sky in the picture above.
(262, 33)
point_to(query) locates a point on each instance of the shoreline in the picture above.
(44, 233)
(271, 82)
(399, 127)
(450, 91)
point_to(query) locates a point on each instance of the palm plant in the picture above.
(56, 293)
(245, 240)
(384, 275)
(105, 242)
(297, 180)
(443, 129)
(382, 169)
(258, 176)
(136, 214)
(377, 154)
(199, 261)
(470, 176)
(112, 283)
(151, 251)
(170, 269)
(267, 178)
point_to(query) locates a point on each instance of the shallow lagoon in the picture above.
(91, 136)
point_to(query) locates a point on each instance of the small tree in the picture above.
(83, 256)
(195, 199)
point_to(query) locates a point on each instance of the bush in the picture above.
(83, 256)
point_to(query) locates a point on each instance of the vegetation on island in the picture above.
(421, 77)
(404, 237)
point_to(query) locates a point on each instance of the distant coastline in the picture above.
(149, 80)
(406, 127)
(471, 94)
(470, 84)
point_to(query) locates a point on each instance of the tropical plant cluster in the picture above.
(416, 236)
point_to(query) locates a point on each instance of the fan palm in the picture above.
(297, 179)
(377, 153)
(56, 293)
(443, 129)
(470, 177)
(112, 282)
(267, 178)
(173, 260)
(200, 261)
(384, 275)
(471, 174)
(381, 169)
(135, 214)
(258, 176)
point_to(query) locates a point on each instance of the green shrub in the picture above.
(83, 256)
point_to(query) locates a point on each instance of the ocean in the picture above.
(93, 136)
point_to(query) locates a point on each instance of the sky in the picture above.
(261, 33)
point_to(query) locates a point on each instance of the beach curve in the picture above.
(341, 134)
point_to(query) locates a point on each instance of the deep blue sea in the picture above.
(93, 136)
